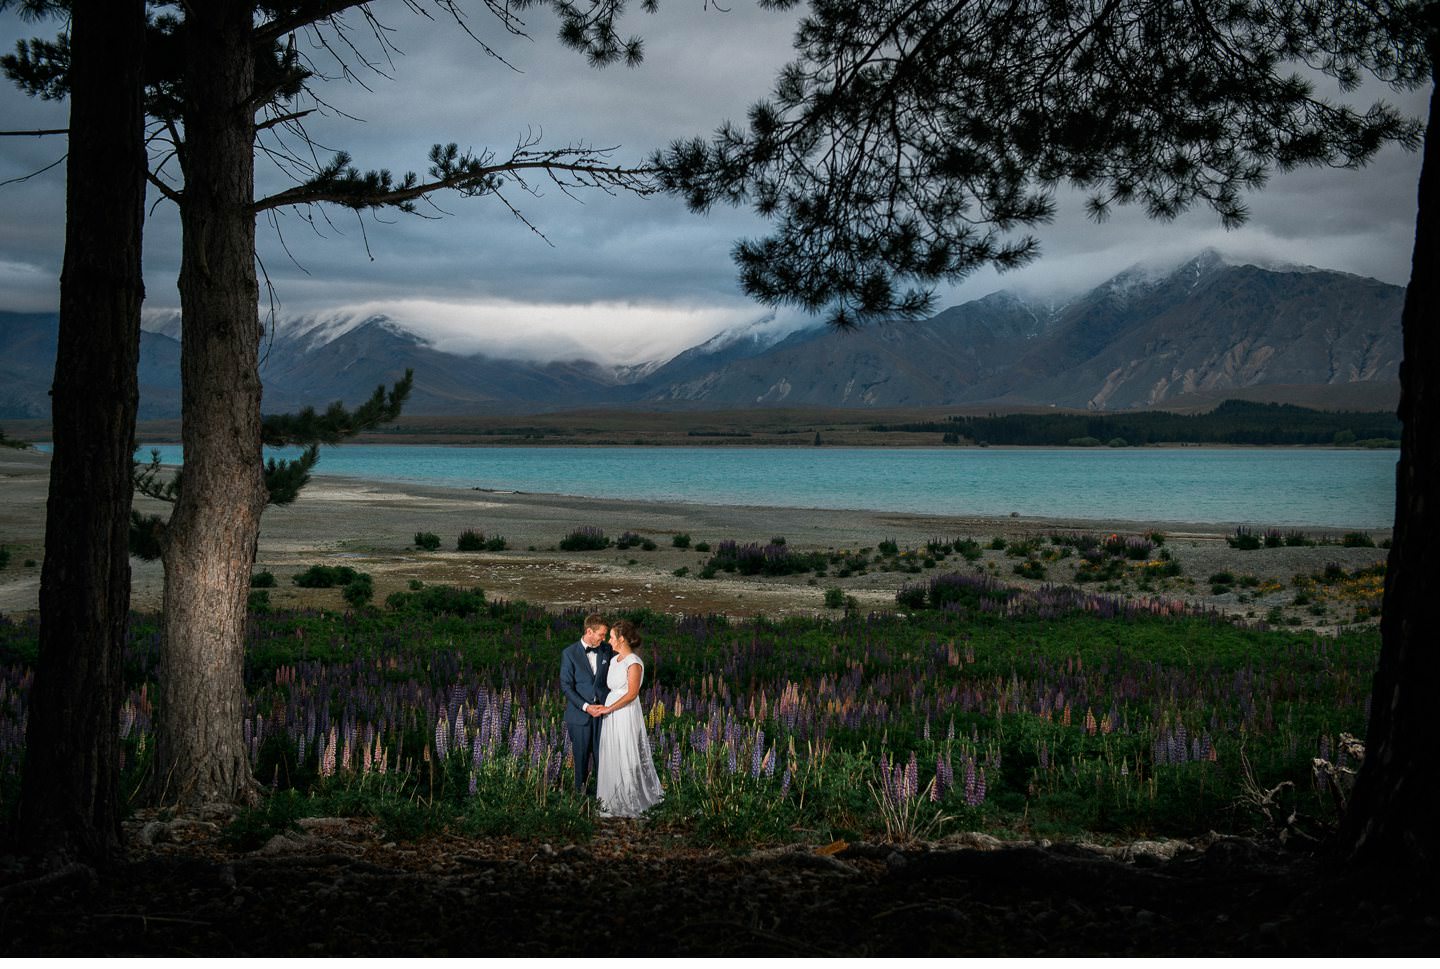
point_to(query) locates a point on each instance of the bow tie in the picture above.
(592, 649)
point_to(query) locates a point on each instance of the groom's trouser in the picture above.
(585, 739)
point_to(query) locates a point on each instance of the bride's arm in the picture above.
(632, 690)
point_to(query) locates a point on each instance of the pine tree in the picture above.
(222, 77)
(70, 796)
(910, 140)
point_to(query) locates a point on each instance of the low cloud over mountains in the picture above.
(1204, 330)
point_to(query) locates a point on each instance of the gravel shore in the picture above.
(371, 526)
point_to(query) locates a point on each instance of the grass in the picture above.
(993, 712)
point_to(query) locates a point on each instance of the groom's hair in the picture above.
(595, 619)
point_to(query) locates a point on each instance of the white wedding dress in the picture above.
(626, 784)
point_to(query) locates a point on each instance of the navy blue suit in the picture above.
(580, 687)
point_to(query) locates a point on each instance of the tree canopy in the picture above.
(912, 141)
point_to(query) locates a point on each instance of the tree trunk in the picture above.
(70, 790)
(210, 541)
(1394, 813)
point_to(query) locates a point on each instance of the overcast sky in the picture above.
(621, 279)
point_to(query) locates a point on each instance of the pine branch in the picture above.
(147, 536)
(284, 479)
(336, 424)
(573, 166)
(146, 480)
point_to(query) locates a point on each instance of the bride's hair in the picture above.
(628, 631)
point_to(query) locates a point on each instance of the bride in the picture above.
(627, 784)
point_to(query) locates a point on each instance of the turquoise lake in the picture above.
(1315, 487)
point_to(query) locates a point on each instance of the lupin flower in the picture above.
(442, 737)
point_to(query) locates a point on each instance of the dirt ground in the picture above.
(337, 887)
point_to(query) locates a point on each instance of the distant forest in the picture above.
(1233, 422)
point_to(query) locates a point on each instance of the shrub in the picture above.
(258, 600)
(628, 540)
(1084, 442)
(324, 576)
(702, 546)
(1297, 539)
(1243, 539)
(680, 540)
(495, 543)
(1273, 538)
(1117, 442)
(1357, 540)
(429, 541)
(586, 538)
(834, 598)
(681, 572)
(4, 556)
(969, 549)
(889, 547)
(1030, 569)
(262, 580)
(909, 596)
(1137, 549)
(360, 591)
(997, 543)
(778, 540)
(435, 600)
(470, 541)
(1222, 578)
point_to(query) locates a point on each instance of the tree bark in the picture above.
(1394, 813)
(70, 790)
(211, 537)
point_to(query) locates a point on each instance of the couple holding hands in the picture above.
(601, 681)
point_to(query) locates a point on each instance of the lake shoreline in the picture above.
(371, 525)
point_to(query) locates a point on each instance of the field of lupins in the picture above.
(1045, 713)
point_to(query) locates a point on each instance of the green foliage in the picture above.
(1243, 539)
(428, 541)
(1030, 569)
(4, 556)
(436, 600)
(359, 590)
(11, 442)
(680, 540)
(253, 827)
(470, 541)
(147, 535)
(954, 122)
(834, 598)
(1357, 540)
(258, 600)
(264, 579)
(702, 546)
(324, 576)
(1072, 718)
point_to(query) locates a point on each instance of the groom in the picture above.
(583, 666)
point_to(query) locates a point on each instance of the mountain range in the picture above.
(1205, 330)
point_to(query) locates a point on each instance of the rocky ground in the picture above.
(335, 888)
(371, 527)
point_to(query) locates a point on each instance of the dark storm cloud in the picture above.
(634, 277)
